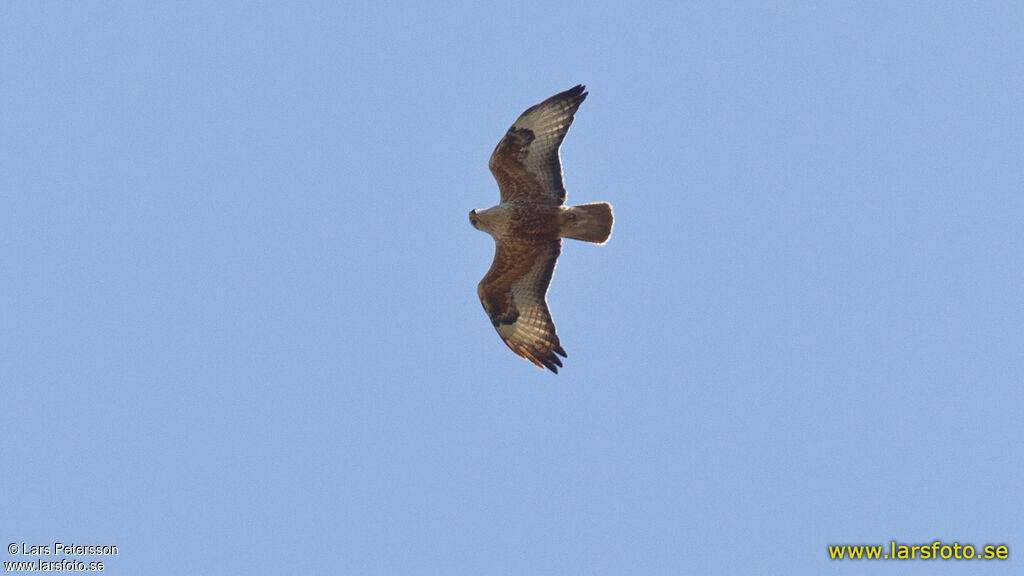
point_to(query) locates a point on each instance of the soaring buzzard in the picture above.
(528, 226)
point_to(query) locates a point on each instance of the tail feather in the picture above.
(589, 222)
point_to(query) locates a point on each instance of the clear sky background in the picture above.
(239, 330)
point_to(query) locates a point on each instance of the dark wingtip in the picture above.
(574, 93)
(553, 362)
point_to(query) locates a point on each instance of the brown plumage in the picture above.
(528, 226)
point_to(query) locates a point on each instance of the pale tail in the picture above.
(589, 222)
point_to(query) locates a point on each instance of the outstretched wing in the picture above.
(526, 163)
(513, 294)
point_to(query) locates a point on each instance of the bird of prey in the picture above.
(528, 226)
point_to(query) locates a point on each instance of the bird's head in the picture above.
(490, 220)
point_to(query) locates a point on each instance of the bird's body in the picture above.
(528, 226)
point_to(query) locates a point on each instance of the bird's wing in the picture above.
(514, 295)
(526, 163)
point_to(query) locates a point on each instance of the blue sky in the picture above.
(240, 330)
